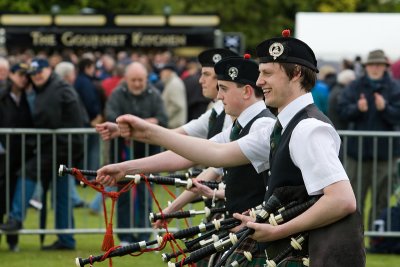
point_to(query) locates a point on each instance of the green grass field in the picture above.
(30, 254)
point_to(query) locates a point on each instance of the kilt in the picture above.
(247, 245)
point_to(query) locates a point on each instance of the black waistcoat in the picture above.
(283, 172)
(245, 188)
(218, 125)
(337, 244)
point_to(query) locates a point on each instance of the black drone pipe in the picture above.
(272, 204)
(198, 243)
(118, 252)
(189, 174)
(185, 233)
(185, 214)
(295, 244)
(151, 178)
(206, 251)
(286, 215)
(191, 243)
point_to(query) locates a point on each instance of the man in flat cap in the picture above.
(371, 103)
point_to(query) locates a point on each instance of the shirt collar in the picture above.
(293, 108)
(250, 112)
(218, 107)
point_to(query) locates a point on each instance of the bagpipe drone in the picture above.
(283, 205)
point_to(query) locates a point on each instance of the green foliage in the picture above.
(337, 6)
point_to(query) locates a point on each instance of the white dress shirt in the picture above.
(199, 126)
(314, 147)
(245, 117)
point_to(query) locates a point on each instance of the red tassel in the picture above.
(246, 56)
(108, 241)
(286, 33)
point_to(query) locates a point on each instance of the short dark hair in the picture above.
(258, 92)
(84, 63)
(309, 76)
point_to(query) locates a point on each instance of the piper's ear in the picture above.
(248, 91)
(296, 72)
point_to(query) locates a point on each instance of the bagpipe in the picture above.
(144, 245)
(185, 214)
(283, 205)
(286, 203)
(137, 178)
(63, 169)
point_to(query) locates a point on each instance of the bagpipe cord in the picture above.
(108, 241)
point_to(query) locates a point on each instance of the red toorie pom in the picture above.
(286, 33)
(246, 56)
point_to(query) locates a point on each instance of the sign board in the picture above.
(106, 31)
(107, 38)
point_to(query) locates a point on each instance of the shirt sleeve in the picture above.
(255, 145)
(199, 126)
(314, 148)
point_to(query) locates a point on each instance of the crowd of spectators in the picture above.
(165, 89)
(98, 85)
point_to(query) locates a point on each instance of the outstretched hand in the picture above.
(107, 130)
(109, 175)
(133, 127)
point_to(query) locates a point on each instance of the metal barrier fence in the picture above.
(104, 150)
(392, 177)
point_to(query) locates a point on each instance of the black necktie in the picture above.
(236, 128)
(212, 119)
(276, 135)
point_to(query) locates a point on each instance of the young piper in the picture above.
(306, 152)
(241, 99)
(207, 125)
(309, 144)
(244, 100)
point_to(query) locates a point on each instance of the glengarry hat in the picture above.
(240, 70)
(286, 49)
(210, 57)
